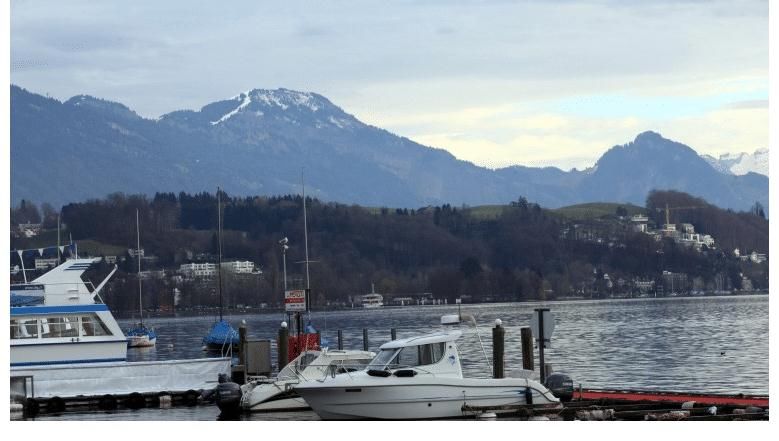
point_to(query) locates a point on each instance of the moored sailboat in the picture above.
(222, 337)
(141, 336)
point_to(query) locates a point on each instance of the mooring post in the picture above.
(498, 334)
(283, 345)
(242, 347)
(340, 339)
(527, 348)
(541, 339)
(393, 334)
(364, 339)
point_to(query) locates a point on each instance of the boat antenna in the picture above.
(305, 228)
(219, 240)
(138, 257)
(59, 256)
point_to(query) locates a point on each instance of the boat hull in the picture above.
(94, 379)
(141, 341)
(62, 351)
(418, 399)
(270, 397)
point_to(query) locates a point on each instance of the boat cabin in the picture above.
(433, 354)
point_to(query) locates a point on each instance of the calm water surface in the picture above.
(713, 344)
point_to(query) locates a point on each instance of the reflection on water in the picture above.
(717, 345)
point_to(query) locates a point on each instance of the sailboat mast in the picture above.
(305, 230)
(138, 258)
(219, 240)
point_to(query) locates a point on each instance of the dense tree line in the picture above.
(522, 252)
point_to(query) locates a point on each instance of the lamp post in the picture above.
(284, 248)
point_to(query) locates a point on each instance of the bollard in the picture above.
(498, 334)
(364, 339)
(527, 348)
(242, 346)
(393, 334)
(541, 341)
(283, 345)
(340, 339)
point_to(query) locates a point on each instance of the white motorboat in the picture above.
(417, 378)
(262, 394)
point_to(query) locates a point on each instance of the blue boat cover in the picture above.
(141, 330)
(221, 334)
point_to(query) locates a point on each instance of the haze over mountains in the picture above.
(257, 142)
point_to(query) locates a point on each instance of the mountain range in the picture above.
(258, 142)
(740, 163)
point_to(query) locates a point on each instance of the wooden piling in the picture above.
(393, 334)
(498, 336)
(527, 348)
(340, 339)
(283, 346)
(365, 339)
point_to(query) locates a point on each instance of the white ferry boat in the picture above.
(65, 342)
(372, 299)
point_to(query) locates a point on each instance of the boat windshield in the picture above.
(382, 359)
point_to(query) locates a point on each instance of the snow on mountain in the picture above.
(740, 163)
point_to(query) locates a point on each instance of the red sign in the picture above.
(295, 300)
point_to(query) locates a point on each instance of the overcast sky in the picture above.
(494, 82)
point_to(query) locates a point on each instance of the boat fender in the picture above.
(379, 373)
(190, 397)
(55, 405)
(405, 373)
(107, 402)
(32, 407)
(135, 401)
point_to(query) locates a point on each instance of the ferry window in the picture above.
(92, 325)
(408, 356)
(54, 327)
(24, 328)
(430, 354)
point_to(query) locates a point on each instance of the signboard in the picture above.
(548, 326)
(295, 300)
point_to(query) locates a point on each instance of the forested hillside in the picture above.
(512, 252)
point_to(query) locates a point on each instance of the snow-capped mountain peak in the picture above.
(279, 99)
(740, 163)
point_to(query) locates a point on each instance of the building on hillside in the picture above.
(239, 267)
(757, 257)
(133, 252)
(198, 270)
(29, 229)
(638, 223)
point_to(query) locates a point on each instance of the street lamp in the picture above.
(284, 248)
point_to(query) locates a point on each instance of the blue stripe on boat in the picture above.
(27, 310)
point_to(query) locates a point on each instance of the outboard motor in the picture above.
(561, 386)
(228, 396)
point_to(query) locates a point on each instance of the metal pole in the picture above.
(340, 339)
(498, 334)
(284, 260)
(219, 239)
(305, 230)
(283, 346)
(137, 257)
(541, 339)
(393, 334)
(364, 339)
(527, 348)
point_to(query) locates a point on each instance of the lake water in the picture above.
(711, 344)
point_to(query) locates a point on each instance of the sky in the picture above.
(496, 83)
